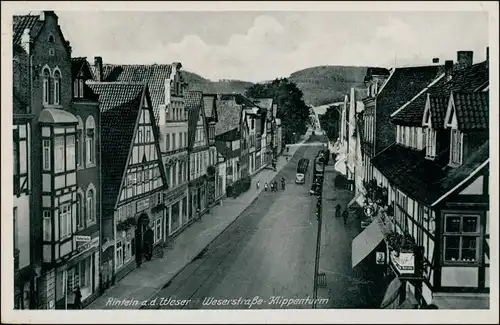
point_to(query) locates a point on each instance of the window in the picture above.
(128, 251)
(59, 156)
(456, 147)
(461, 238)
(80, 212)
(80, 84)
(90, 206)
(180, 140)
(411, 137)
(168, 141)
(90, 140)
(167, 174)
(139, 135)
(46, 80)
(47, 225)
(119, 254)
(148, 135)
(431, 144)
(57, 87)
(174, 143)
(51, 39)
(46, 155)
(79, 143)
(65, 221)
(157, 230)
(70, 152)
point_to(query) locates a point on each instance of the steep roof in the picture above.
(438, 105)
(20, 23)
(403, 85)
(193, 103)
(229, 116)
(120, 104)
(154, 75)
(468, 79)
(422, 179)
(472, 110)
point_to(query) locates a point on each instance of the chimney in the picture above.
(464, 59)
(98, 68)
(25, 41)
(448, 69)
(435, 60)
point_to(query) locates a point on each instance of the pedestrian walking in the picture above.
(148, 243)
(138, 248)
(345, 215)
(265, 186)
(198, 214)
(275, 186)
(78, 298)
(258, 184)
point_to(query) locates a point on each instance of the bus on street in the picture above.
(301, 171)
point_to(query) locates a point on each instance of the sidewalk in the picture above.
(142, 283)
(345, 287)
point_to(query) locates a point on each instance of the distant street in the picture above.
(268, 252)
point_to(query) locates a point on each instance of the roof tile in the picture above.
(472, 110)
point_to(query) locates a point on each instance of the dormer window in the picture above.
(430, 143)
(456, 147)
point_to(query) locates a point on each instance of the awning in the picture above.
(365, 243)
(391, 297)
(340, 166)
(53, 115)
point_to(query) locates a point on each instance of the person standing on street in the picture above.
(265, 186)
(78, 298)
(345, 215)
(258, 184)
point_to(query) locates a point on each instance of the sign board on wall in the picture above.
(380, 257)
(403, 262)
(80, 238)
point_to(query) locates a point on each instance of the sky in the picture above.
(256, 46)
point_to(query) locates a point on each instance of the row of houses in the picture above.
(414, 147)
(103, 152)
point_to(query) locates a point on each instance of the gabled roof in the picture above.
(472, 78)
(422, 179)
(403, 85)
(154, 75)
(120, 104)
(437, 107)
(472, 110)
(229, 114)
(35, 25)
(193, 103)
(210, 106)
(20, 23)
(80, 65)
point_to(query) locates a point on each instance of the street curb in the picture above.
(215, 238)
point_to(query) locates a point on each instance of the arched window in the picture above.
(52, 39)
(80, 210)
(80, 144)
(90, 140)
(57, 87)
(91, 204)
(46, 79)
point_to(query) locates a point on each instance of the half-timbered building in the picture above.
(436, 177)
(133, 180)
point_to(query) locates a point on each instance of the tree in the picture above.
(330, 122)
(292, 110)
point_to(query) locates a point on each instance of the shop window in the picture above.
(157, 230)
(128, 251)
(119, 254)
(461, 239)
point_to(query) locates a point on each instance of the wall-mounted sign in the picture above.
(88, 245)
(142, 204)
(403, 262)
(380, 257)
(82, 238)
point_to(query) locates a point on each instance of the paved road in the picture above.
(268, 251)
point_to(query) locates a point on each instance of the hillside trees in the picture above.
(330, 122)
(292, 110)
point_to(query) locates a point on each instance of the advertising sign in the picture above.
(380, 257)
(403, 262)
(82, 238)
(369, 210)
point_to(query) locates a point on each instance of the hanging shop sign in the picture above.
(403, 262)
